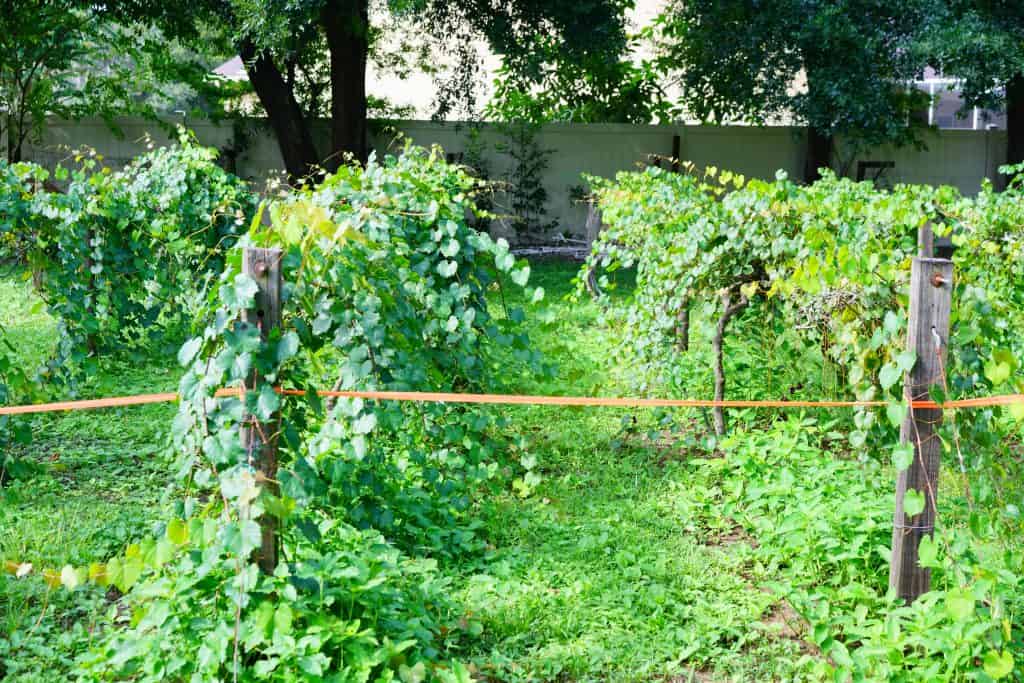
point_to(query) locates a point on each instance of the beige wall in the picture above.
(956, 157)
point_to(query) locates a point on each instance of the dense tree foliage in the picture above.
(839, 67)
(119, 256)
(283, 47)
(980, 43)
(71, 59)
(602, 88)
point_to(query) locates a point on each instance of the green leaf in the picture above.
(131, 570)
(241, 293)
(889, 375)
(997, 372)
(504, 261)
(241, 538)
(188, 351)
(928, 552)
(69, 577)
(891, 323)
(903, 456)
(113, 573)
(164, 552)
(960, 604)
(268, 403)
(314, 664)
(287, 347)
(896, 412)
(998, 664)
(447, 268)
(913, 503)
(177, 531)
(413, 674)
(521, 276)
(905, 361)
(840, 654)
(283, 619)
(365, 423)
(450, 248)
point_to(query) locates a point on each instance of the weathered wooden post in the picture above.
(259, 439)
(931, 293)
(925, 241)
(593, 229)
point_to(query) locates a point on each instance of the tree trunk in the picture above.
(278, 99)
(15, 137)
(729, 310)
(819, 154)
(346, 25)
(1015, 120)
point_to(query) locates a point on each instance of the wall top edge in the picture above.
(682, 129)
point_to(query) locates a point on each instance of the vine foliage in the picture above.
(819, 273)
(384, 288)
(117, 257)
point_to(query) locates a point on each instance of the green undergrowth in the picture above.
(630, 550)
(95, 484)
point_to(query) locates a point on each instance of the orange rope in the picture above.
(507, 399)
(89, 404)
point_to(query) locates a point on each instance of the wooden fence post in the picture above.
(593, 228)
(925, 241)
(259, 438)
(931, 293)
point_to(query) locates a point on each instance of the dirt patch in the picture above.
(667, 444)
(695, 676)
(783, 622)
(731, 535)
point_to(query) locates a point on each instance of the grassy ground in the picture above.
(97, 487)
(600, 574)
(621, 565)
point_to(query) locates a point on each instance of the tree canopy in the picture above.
(72, 58)
(283, 46)
(981, 43)
(838, 66)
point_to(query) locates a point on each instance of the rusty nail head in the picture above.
(260, 268)
(937, 279)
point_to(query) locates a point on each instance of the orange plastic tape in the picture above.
(507, 399)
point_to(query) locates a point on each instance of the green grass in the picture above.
(602, 573)
(97, 485)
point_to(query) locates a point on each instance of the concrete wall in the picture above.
(961, 158)
(955, 157)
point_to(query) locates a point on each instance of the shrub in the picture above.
(832, 260)
(118, 255)
(384, 289)
(826, 267)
